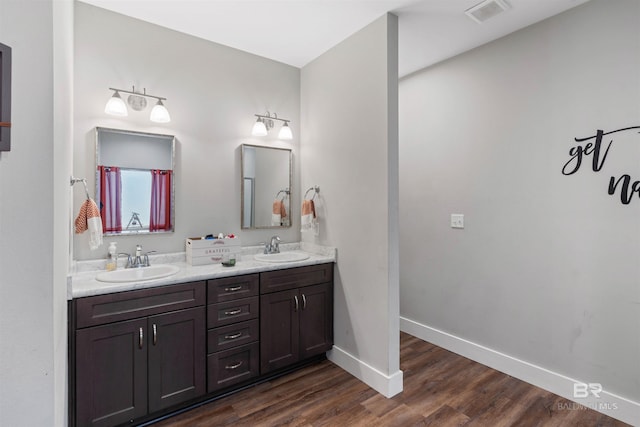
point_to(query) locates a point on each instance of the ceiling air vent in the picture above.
(486, 10)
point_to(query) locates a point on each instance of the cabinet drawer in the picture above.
(232, 336)
(102, 309)
(226, 313)
(231, 288)
(282, 280)
(233, 366)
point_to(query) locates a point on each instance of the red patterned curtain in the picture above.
(160, 200)
(110, 198)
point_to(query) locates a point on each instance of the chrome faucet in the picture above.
(139, 259)
(273, 247)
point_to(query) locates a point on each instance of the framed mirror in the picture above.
(135, 189)
(5, 98)
(266, 187)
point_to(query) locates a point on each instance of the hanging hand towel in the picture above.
(89, 219)
(308, 215)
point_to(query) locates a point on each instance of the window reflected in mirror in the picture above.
(136, 199)
(266, 187)
(134, 181)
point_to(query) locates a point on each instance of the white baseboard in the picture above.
(387, 385)
(610, 404)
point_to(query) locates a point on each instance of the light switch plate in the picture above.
(457, 221)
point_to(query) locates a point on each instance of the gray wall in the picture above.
(546, 269)
(212, 95)
(34, 215)
(349, 149)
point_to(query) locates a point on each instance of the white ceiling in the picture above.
(297, 31)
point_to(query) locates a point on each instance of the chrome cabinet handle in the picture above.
(296, 298)
(233, 312)
(141, 338)
(236, 366)
(155, 334)
(233, 289)
(304, 302)
(233, 337)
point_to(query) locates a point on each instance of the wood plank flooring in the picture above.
(440, 389)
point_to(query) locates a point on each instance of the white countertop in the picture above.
(83, 283)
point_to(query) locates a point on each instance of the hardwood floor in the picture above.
(440, 389)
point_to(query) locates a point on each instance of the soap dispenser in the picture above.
(112, 260)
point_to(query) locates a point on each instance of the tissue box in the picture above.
(210, 251)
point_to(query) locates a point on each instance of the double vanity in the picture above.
(147, 342)
(142, 348)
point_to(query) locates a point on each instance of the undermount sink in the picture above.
(282, 257)
(138, 274)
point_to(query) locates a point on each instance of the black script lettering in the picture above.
(576, 156)
(625, 195)
(590, 148)
(578, 151)
(596, 152)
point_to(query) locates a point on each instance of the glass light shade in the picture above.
(116, 106)
(159, 113)
(259, 129)
(285, 132)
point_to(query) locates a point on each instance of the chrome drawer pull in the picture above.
(236, 366)
(304, 302)
(233, 289)
(296, 298)
(141, 339)
(233, 337)
(233, 312)
(155, 334)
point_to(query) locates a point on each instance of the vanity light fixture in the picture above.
(116, 106)
(136, 100)
(259, 128)
(285, 132)
(265, 123)
(159, 113)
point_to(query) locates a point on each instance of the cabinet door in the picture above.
(279, 340)
(316, 319)
(177, 357)
(111, 373)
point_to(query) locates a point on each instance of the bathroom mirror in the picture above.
(266, 187)
(134, 181)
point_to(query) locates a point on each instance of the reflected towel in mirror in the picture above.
(89, 219)
(279, 212)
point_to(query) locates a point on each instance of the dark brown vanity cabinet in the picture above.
(296, 318)
(138, 352)
(233, 334)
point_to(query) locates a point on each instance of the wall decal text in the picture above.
(598, 153)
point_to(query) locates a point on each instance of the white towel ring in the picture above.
(84, 182)
(315, 190)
